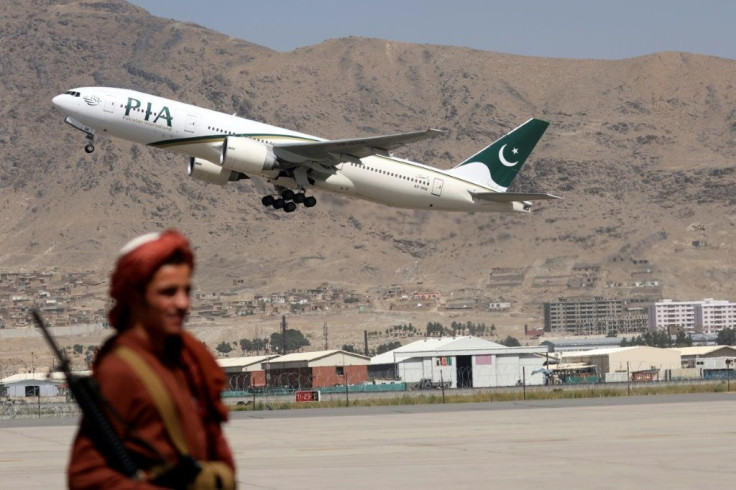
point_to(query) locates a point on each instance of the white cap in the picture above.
(138, 242)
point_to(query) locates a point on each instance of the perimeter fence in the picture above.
(290, 392)
(399, 394)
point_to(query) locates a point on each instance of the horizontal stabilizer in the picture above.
(512, 196)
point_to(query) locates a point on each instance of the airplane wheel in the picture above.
(89, 148)
(268, 200)
(289, 207)
(278, 203)
(288, 195)
(299, 197)
(310, 201)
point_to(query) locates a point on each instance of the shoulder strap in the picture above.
(160, 396)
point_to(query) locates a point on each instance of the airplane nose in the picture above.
(65, 103)
(57, 101)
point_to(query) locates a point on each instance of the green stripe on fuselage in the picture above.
(218, 138)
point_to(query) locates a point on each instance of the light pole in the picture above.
(728, 374)
(37, 387)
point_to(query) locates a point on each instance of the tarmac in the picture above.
(655, 442)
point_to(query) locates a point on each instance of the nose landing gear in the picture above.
(90, 132)
(90, 147)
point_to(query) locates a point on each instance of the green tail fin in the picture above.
(504, 157)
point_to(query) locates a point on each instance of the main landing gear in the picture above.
(288, 200)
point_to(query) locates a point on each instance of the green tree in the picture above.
(435, 329)
(727, 336)
(246, 345)
(349, 348)
(683, 340)
(295, 340)
(510, 342)
(260, 344)
(387, 347)
(653, 339)
(224, 347)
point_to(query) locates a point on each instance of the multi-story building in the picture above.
(589, 316)
(706, 316)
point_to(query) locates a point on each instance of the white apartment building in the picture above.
(706, 316)
(714, 316)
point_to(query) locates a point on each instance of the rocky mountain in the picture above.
(643, 151)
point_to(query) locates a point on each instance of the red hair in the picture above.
(138, 261)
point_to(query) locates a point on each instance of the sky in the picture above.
(583, 29)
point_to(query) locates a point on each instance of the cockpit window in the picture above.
(72, 93)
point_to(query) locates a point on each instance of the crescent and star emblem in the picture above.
(503, 159)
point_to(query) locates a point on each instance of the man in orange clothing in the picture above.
(161, 385)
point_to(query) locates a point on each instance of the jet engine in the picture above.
(247, 155)
(207, 171)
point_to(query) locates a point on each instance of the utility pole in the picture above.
(283, 335)
(325, 335)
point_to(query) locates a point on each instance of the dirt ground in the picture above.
(32, 353)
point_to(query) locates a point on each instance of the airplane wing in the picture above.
(336, 151)
(512, 196)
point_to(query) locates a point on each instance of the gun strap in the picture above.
(160, 396)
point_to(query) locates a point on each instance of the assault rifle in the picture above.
(90, 402)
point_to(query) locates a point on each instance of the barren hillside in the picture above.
(642, 150)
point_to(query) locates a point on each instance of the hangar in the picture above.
(461, 362)
(691, 357)
(30, 384)
(316, 369)
(641, 363)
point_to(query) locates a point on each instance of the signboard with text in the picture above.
(307, 396)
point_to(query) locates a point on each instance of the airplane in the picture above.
(225, 148)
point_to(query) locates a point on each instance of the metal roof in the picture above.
(243, 362)
(20, 377)
(702, 350)
(605, 352)
(450, 346)
(303, 359)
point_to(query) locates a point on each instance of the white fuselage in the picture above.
(198, 132)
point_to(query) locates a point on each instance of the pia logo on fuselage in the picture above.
(163, 113)
(92, 100)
